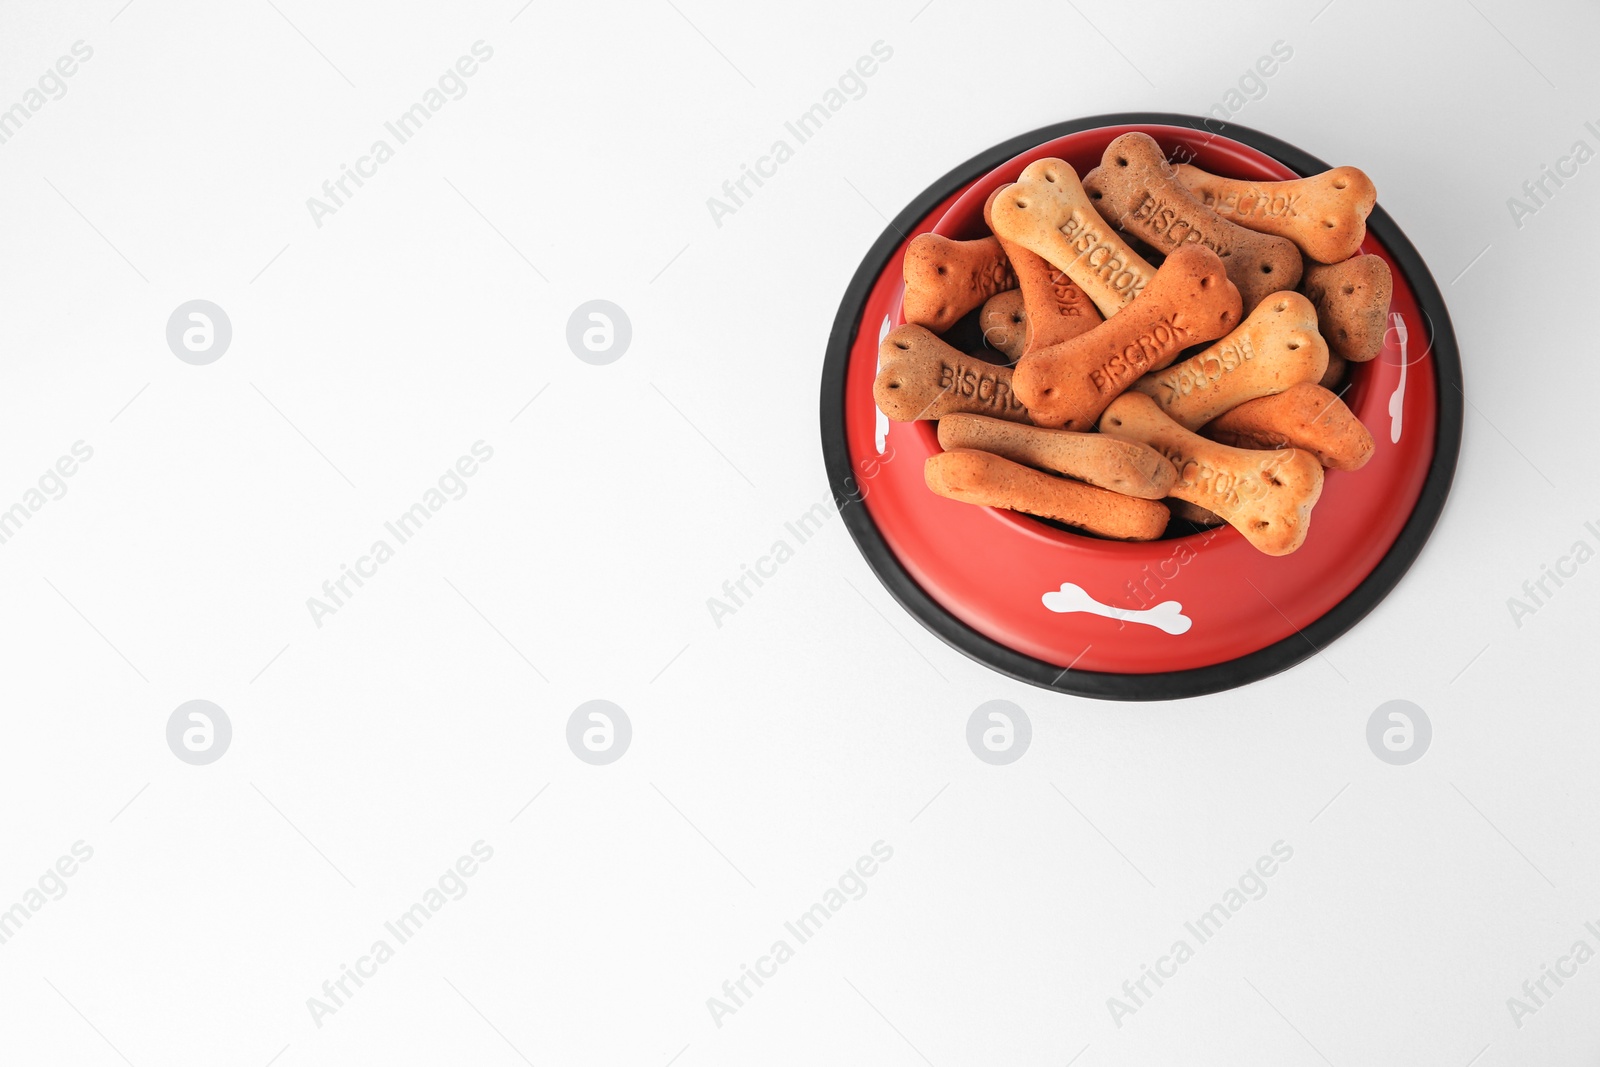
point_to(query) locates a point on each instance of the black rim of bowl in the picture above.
(1166, 685)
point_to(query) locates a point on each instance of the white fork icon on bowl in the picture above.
(1397, 398)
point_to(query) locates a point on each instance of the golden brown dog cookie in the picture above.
(981, 478)
(1048, 213)
(1125, 467)
(1189, 301)
(921, 377)
(1004, 324)
(1276, 347)
(1304, 416)
(1266, 496)
(1352, 301)
(1135, 187)
(945, 279)
(1056, 307)
(1325, 214)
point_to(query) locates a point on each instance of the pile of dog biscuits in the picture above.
(1172, 341)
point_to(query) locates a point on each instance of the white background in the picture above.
(768, 754)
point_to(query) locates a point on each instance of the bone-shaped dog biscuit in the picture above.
(921, 377)
(1305, 416)
(1135, 187)
(1325, 214)
(1125, 467)
(1276, 347)
(1048, 212)
(989, 480)
(945, 278)
(1189, 301)
(1352, 302)
(1005, 324)
(1266, 496)
(1056, 307)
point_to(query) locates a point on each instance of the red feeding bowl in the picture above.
(1195, 612)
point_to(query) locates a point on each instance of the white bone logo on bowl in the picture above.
(1167, 615)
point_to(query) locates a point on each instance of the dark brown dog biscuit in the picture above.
(1138, 190)
(1352, 301)
(945, 279)
(921, 377)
